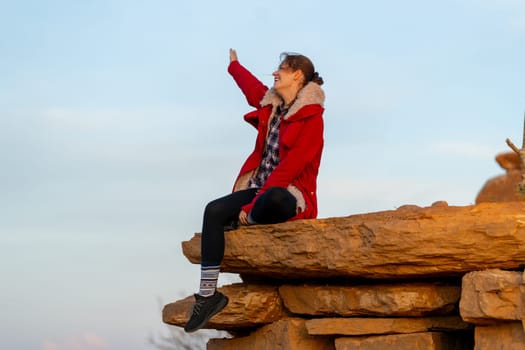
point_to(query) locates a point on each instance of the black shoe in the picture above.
(204, 309)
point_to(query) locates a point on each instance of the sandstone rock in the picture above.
(405, 243)
(249, 306)
(506, 336)
(503, 188)
(492, 296)
(509, 161)
(522, 292)
(416, 299)
(364, 326)
(414, 341)
(289, 334)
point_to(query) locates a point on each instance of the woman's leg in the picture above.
(217, 214)
(275, 205)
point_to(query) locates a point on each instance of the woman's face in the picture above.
(284, 78)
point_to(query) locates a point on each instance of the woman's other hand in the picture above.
(243, 218)
(233, 55)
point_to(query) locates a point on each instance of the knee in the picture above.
(213, 209)
(278, 196)
(275, 205)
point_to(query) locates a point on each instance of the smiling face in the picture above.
(285, 79)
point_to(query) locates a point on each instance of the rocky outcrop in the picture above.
(504, 188)
(249, 306)
(494, 300)
(289, 333)
(414, 341)
(372, 326)
(502, 336)
(406, 243)
(412, 278)
(409, 300)
(493, 296)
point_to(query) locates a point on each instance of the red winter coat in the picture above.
(300, 140)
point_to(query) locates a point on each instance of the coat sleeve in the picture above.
(252, 88)
(307, 145)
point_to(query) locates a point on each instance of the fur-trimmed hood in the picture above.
(310, 94)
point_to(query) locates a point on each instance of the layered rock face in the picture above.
(439, 277)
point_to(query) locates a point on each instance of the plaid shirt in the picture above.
(270, 158)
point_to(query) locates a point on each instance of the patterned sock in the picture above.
(209, 277)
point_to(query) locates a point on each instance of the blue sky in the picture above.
(118, 122)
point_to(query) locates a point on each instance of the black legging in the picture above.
(273, 206)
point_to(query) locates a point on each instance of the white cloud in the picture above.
(144, 119)
(463, 149)
(514, 10)
(512, 5)
(184, 126)
(86, 341)
(345, 196)
(107, 118)
(517, 21)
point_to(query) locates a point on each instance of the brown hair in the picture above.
(299, 62)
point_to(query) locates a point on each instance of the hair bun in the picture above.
(317, 79)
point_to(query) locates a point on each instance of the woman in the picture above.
(278, 181)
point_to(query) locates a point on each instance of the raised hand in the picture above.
(233, 55)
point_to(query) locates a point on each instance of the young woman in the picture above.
(278, 181)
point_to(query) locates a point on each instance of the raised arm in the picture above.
(252, 88)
